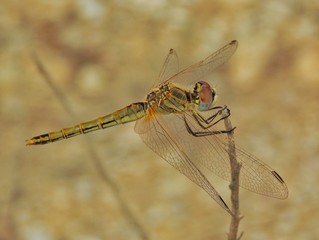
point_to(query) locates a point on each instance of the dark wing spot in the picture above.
(277, 176)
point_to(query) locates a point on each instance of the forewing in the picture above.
(163, 141)
(212, 152)
(169, 68)
(199, 70)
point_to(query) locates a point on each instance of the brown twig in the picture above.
(94, 156)
(234, 184)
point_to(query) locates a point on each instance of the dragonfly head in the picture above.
(203, 96)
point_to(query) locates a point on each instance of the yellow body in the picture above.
(166, 99)
(128, 114)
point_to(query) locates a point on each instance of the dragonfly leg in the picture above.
(212, 120)
(219, 112)
(209, 121)
(205, 133)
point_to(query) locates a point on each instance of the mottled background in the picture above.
(104, 55)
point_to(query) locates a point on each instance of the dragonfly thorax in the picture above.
(158, 94)
(168, 98)
(203, 96)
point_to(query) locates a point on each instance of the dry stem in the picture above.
(234, 184)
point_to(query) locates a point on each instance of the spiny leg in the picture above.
(199, 119)
(219, 112)
(206, 133)
(210, 120)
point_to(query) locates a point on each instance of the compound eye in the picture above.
(206, 97)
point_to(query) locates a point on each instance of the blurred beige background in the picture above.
(106, 54)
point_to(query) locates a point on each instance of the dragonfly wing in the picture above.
(163, 141)
(212, 152)
(169, 68)
(199, 70)
(259, 177)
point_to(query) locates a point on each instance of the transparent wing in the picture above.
(212, 152)
(169, 68)
(199, 70)
(163, 141)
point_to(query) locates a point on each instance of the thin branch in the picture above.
(94, 156)
(234, 184)
(60, 96)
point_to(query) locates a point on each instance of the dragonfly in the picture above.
(180, 121)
